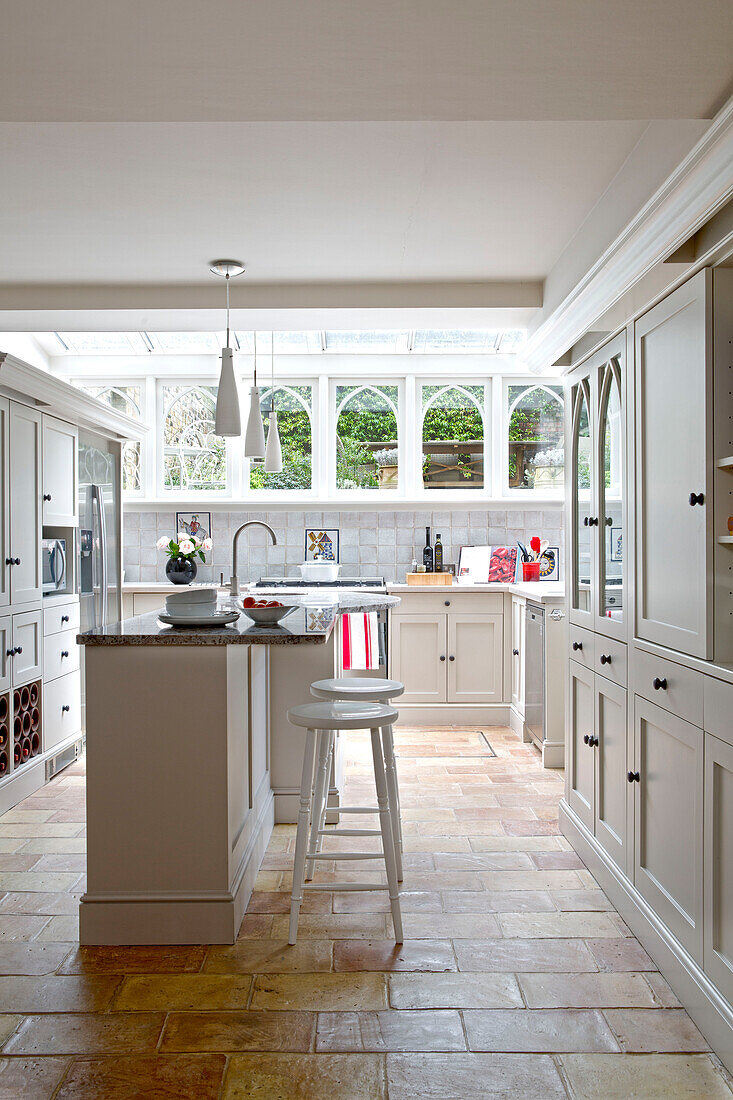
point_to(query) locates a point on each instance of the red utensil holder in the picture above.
(530, 570)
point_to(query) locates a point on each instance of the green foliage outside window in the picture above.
(451, 416)
(535, 424)
(294, 426)
(367, 416)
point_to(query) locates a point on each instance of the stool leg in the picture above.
(394, 796)
(318, 799)
(301, 840)
(329, 763)
(387, 837)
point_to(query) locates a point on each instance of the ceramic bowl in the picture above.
(319, 571)
(267, 615)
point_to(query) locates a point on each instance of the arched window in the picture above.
(453, 431)
(293, 407)
(193, 457)
(536, 438)
(367, 437)
(126, 399)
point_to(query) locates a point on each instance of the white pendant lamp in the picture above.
(228, 421)
(273, 450)
(254, 438)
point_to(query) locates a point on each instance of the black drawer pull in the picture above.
(447, 603)
(515, 652)
(633, 777)
(19, 649)
(65, 707)
(443, 657)
(64, 653)
(657, 683)
(697, 498)
(605, 658)
(593, 521)
(586, 521)
(451, 658)
(46, 496)
(586, 739)
(64, 618)
(9, 652)
(592, 741)
(577, 646)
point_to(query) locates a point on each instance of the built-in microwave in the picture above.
(54, 565)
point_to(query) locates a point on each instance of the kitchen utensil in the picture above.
(319, 570)
(523, 550)
(530, 570)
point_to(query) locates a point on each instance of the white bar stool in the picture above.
(320, 720)
(360, 689)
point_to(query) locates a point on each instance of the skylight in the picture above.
(384, 342)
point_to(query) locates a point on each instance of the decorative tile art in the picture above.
(322, 544)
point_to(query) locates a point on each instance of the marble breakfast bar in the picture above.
(190, 761)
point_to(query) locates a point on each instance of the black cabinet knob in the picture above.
(8, 561)
(64, 618)
(442, 658)
(447, 603)
(577, 646)
(19, 649)
(9, 652)
(697, 498)
(586, 521)
(605, 658)
(515, 652)
(451, 658)
(609, 521)
(633, 777)
(658, 684)
(46, 496)
(64, 653)
(65, 707)
(16, 561)
(586, 739)
(592, 741)
(593, 521)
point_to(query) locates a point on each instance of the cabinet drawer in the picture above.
(679, 689)
(428, 603)
(59, 723)
(582, 645)
(61, 616)
(718, 708)
(28, 646)
(60, 654)
(610, 660)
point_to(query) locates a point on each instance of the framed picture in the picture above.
(322, 544)
(617, 544)
(550, 564)
(194, 523)
(473, 564)
(503, 564)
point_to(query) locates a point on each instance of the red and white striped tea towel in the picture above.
(360, 641)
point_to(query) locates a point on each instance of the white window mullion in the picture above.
(324, 437)
(498, 426)
(410, 439)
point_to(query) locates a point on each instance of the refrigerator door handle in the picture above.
(98, 497)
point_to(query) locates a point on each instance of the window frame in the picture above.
(250, 494)
(456, 495)
(162, 491)
(329, 440)
(93, 382)
(536, 382)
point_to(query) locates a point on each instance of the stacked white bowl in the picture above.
(191, 603)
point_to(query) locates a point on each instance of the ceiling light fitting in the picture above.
(254, 439)
(273, 450)
(228, 421)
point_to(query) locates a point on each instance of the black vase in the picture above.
(180, 570)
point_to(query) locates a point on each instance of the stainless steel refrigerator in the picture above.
(99, 557)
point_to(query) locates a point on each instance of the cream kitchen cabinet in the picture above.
(475, 658)
(518, 630)
(597, 754)
(667, 780)
(6, 651)
(718, 864)
(27, 647)
(23, 557)
(60, 446)
(418, 656)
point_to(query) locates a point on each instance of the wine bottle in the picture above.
(427, 554)
(438, 554)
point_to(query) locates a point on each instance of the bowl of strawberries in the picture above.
(265, 611)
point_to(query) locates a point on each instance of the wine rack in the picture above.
(26, 723)
(5, 746)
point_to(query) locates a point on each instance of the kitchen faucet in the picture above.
(234, 581)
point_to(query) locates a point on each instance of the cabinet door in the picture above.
(28, 646)
(668, 812)
(518, 653)
(6, 645)
(5, 569)
(581, 729)
(60, 508)
(25, 504)
(418, 656)
(612, 785)
(611, 499)
(673, 372)
(582, 505)
(718, 931)
(475, 658)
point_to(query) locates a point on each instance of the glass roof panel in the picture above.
(384, 341)
(102, 343)
(456, 340)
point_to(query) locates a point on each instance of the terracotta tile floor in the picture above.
(517, 978)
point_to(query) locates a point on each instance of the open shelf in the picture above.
(725, 463)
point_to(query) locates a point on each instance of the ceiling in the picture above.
(184, 60)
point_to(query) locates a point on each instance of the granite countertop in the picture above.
(312, 624)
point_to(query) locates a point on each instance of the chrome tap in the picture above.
(234, 581)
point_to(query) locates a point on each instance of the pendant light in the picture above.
(227, 421)
(273, 450)
(254, 439)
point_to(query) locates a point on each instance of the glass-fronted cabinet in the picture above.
(597, 506)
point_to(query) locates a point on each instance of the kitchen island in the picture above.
(187, 736)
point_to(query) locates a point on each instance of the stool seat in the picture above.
(357, 688)
(342, 716)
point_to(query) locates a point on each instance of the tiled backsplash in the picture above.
(371, 543)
